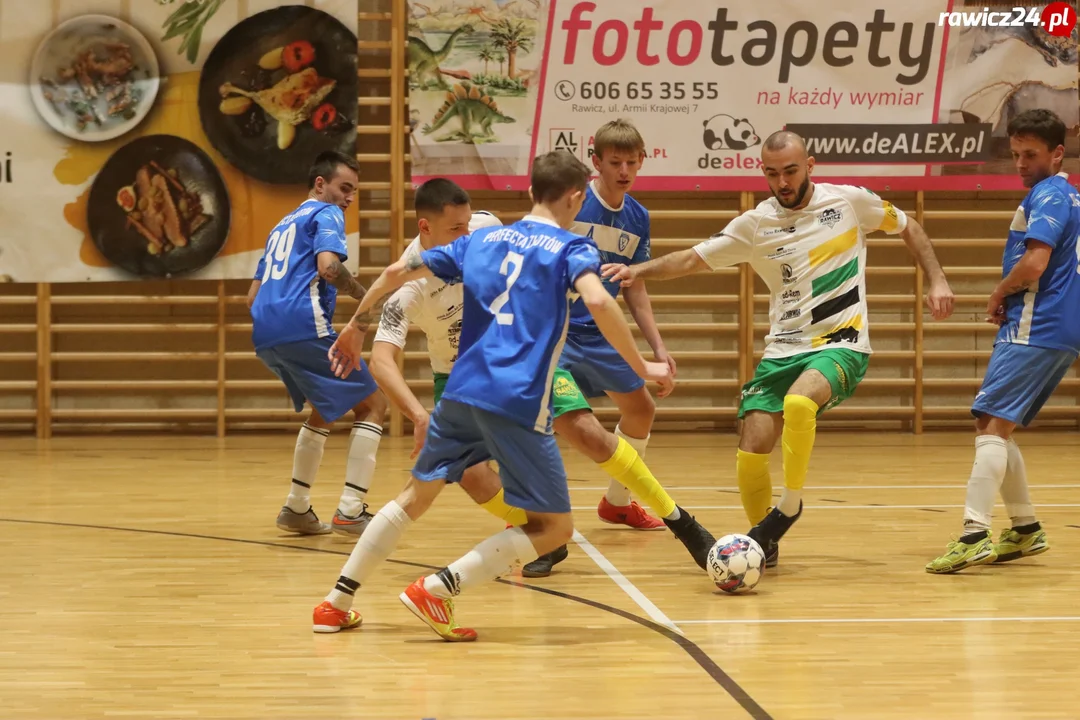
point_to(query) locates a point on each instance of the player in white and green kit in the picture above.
(808, 243)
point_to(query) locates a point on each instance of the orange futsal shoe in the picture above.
(436, 612)
(328, 619)
(632, 515)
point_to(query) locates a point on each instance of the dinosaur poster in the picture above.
(164, 138)
(901, 96)
(473, 72)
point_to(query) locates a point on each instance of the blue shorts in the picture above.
(531, 468)
(1019, 380)
(597, 367)
(305, 369)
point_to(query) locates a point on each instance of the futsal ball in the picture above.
(736, 563)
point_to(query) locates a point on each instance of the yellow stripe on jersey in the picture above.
(832, 248)
(848, 332)
(889, 222)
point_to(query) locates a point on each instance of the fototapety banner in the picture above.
(911, 95)
(162, 138)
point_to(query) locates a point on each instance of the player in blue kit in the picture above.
(292, 302)
(519, 282)
(1036, 305)
(619, 225)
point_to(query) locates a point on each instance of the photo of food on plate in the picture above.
(279, 88)
(94, 78)
(159, 207)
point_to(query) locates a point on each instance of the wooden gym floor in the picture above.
(143, 576)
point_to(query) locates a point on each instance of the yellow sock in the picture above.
(755, 484)
(800, 427)
(497, 506)
(627, 467)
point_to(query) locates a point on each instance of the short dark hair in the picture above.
(326, 164)
(556, 173)
(434, 195)
(1041, 123)
(781, 139)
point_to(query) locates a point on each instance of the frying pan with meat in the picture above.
(159, 207)
(279, 88)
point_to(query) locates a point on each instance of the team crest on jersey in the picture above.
(830, 216)
(564, 388)
(624, 240)
(787, 274)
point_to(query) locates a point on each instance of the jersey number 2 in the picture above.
(512, 258)
(278, 251)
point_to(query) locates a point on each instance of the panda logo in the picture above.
(724, 132)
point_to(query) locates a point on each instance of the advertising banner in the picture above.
(162, 138)
(911, 95)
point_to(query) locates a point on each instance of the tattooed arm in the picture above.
(345, 353)
(334, 272)
(410, 267)
(1024, 274)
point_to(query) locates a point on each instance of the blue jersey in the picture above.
(518, 284)
(622, 237)
(1047, 314)
(294, 303)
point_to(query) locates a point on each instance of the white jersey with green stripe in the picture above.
(814, 262)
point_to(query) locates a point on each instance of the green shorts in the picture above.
(565, 395)
(844, 370)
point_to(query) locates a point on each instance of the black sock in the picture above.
(1028, 529)
(975, 537)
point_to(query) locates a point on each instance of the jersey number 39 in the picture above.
(517, 261)
(278, 252)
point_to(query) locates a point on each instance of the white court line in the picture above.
(628, 587)
(813, 621)
(845, 487)
(844, 507)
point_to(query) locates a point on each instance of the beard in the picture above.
(799, 195)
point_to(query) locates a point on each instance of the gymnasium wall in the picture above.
(176, 355)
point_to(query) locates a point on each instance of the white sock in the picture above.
(494, 557)
(618, 494)
(789, 502)
(987, 474)
(1014, 489)
(373, 547)
(360, 467)
(305, 464)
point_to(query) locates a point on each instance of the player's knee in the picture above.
(644, 405)
(586, 434)
(561, 528)
(417, 496)
(316, 420)
(375, 406)
(555, 529)
(480, 483)
(799, 410)
(759, 432)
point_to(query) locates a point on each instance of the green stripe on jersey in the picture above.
(832, 280)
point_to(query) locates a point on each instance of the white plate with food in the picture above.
(94, 78)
